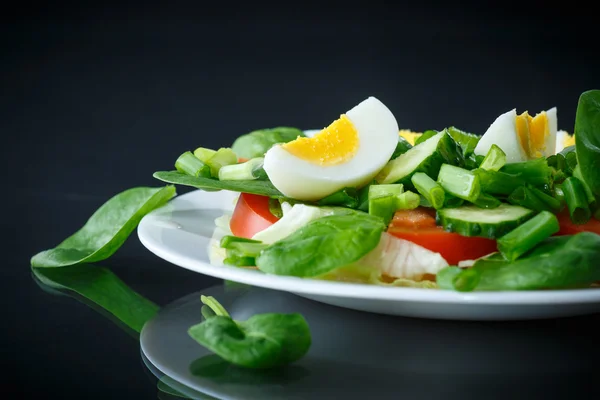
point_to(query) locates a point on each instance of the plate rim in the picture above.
(358, 291)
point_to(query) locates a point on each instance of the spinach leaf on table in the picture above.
(322, 245)
(256, 143)
(262, 341)
(587, 138)
(102, 287)
(107, 229)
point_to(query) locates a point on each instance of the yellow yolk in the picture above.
(539, 130)
(569, 141)
(523, 131)
(409, 135)
(334, 145)
(533, 132)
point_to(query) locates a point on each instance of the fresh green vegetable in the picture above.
(425, 157)
(446, 276)
(536, 172)
(407, 200)
(204, 154)
(528, 235)
(467, 141)
(425, 135)
(248, 170)
(588, 191)
(383, 207)
(107, 229)
(402, 147)
(228, 240)
(498, 183)
(264, 188)
(263, 341)
(587, 134)
(429, 189)
(474, 221)
(494, 159)
(451, 201)
(346, 197)
(256, 143)
(486, 201)
(525, 197)
(222, 157)
(576, 200)
(557, 262)
(390, 189)
(322, 245)
(275, 207)
(101, 287)
(189, 164)
(459, 182)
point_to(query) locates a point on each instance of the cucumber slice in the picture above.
(425, 157)
(489, 223)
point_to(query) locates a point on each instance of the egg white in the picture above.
(503, 133)
(377, 131)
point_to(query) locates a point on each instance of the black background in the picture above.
(94, 99)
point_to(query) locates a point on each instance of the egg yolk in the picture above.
(523, 131)
(334, 145)
(539, 130)
(569, 141)
(532, 132)
(409, 135)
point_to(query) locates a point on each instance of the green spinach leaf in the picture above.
(102, 287)
(256, 143)
(263, 341)
(557, 262)
(322, 245)
(263, 188)
(107, 229)
(587, 138)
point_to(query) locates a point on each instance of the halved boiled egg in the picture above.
(521, 136)
(347, 153)
(563, 140)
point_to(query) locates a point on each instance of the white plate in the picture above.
(182, 231)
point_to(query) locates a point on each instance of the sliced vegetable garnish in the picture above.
(587, 132)
(459, 182)
(107, 229)
(526, 236)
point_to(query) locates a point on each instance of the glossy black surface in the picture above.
(93, 100)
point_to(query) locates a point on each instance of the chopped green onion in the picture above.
(553, 203)
(558, 193)
(451, 201)
(384, 207)
(228, 240)
(487, 201)
(363, 198)
(459, 182)
(223, 156)
(407, 201)
(204, 154)
(588, 192)
(536, 172)
(571, 160)
(429, 189)
(392, 189)
(243, 254)
(247, 170)
(524, 197)
(528, 235)
(498, 183)
(188, 164)
(494, 159)
(576, 200)
(275, 207)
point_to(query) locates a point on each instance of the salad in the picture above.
(513, 208)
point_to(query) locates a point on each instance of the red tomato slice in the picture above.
(567, 227)
(419, 226)
(251, 215)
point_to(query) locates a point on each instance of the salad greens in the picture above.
(558, 262)
(262, 341)
(256, 143)
(107, 229)
(587, 132)
(322, 245)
